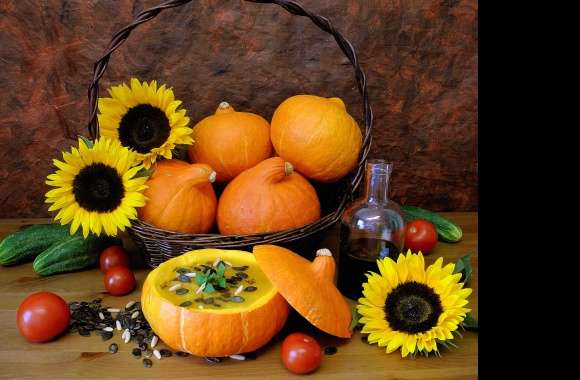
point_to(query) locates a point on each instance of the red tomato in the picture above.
(301, 353)
(119, 281)
(42, 316)
(113, 256)
(420, 235)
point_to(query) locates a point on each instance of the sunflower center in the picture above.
(143, 128)
(98, 187)
(413, 307)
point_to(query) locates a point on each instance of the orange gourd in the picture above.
(269, 197)
(180, 197)
(230, 142)
(210, 331)
(307, 286)
(316, 135)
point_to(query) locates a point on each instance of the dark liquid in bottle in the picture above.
(357, 257)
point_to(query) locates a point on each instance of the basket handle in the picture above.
(291, 6)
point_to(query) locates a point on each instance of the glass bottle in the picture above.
(372, 227)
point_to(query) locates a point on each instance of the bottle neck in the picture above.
(377, 177)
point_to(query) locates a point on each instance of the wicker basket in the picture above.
(160, 245)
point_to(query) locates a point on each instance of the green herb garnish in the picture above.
(212, 278)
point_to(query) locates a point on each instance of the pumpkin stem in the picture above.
(212, 176)
(323, 264)
(224, 107)
(288, 168)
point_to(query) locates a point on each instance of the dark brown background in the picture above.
(420, 58)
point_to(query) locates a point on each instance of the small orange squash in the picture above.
(230, 142)
(307, 286)
(269, 197)
(180, 197)
(204, 329)
(316, 135)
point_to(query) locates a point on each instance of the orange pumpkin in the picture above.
(317, 135)
(203, 329)
(181, 197)
(230, 142)
(269, 197)
(307, 286)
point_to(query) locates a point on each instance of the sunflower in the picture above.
(144, 118)
(412, 308)
(96, 187)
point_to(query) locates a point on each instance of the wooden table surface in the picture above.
(76, 357)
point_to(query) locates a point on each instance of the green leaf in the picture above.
(89, 143)
(144, 173)
(200, 279)
(463, 266)
(470, 323)
(221, 269)
(355, 319)
(209, 288)
(222, 282)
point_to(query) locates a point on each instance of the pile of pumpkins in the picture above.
(264, 167)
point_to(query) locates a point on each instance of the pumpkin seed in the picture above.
(165, 353)
(175, 287)
(184, 278)
(136, 353)
(190, 274)
(237, 299)
(113, 348)
(250, 282)
(330, 350)
(108, 329)
(181, 291)
(198, 300)
(181, 270)
(147, 363)
(242, 268)
(182, 354)
(208, 301)
(135, 315)
(130, 304)
(113, 310)
(242, 275)
(238, 357)
(118, 325)
(250, 289)
(157, 354)
(101, 315)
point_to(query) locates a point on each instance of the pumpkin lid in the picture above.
(307, 286)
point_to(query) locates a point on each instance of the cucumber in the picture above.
(447, 230)
(72, 254)
(24, 245)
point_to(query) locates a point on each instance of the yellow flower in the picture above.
(144, 118)
(95, 187)
(408, 307)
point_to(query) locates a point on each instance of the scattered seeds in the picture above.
(135, 315)
(112, 310)
(181, 291)
(182, 354)
(213, 360)
(105, 336)
(108, 329)
(242, 268)
(237, 299)
(118, 324)
(175, 287)
(101, 315)
(190, 274)
(157, 354)
(184, 278)
(83, 332)
(154, 341)
(136, 353)
(250, 289)
(165, 353)
(181, 270)
(238, 357)
(242, 275)
(330, 350)
(130, 304)
(185, 304)
(239, 290)
(113, 348)
(147, 363)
